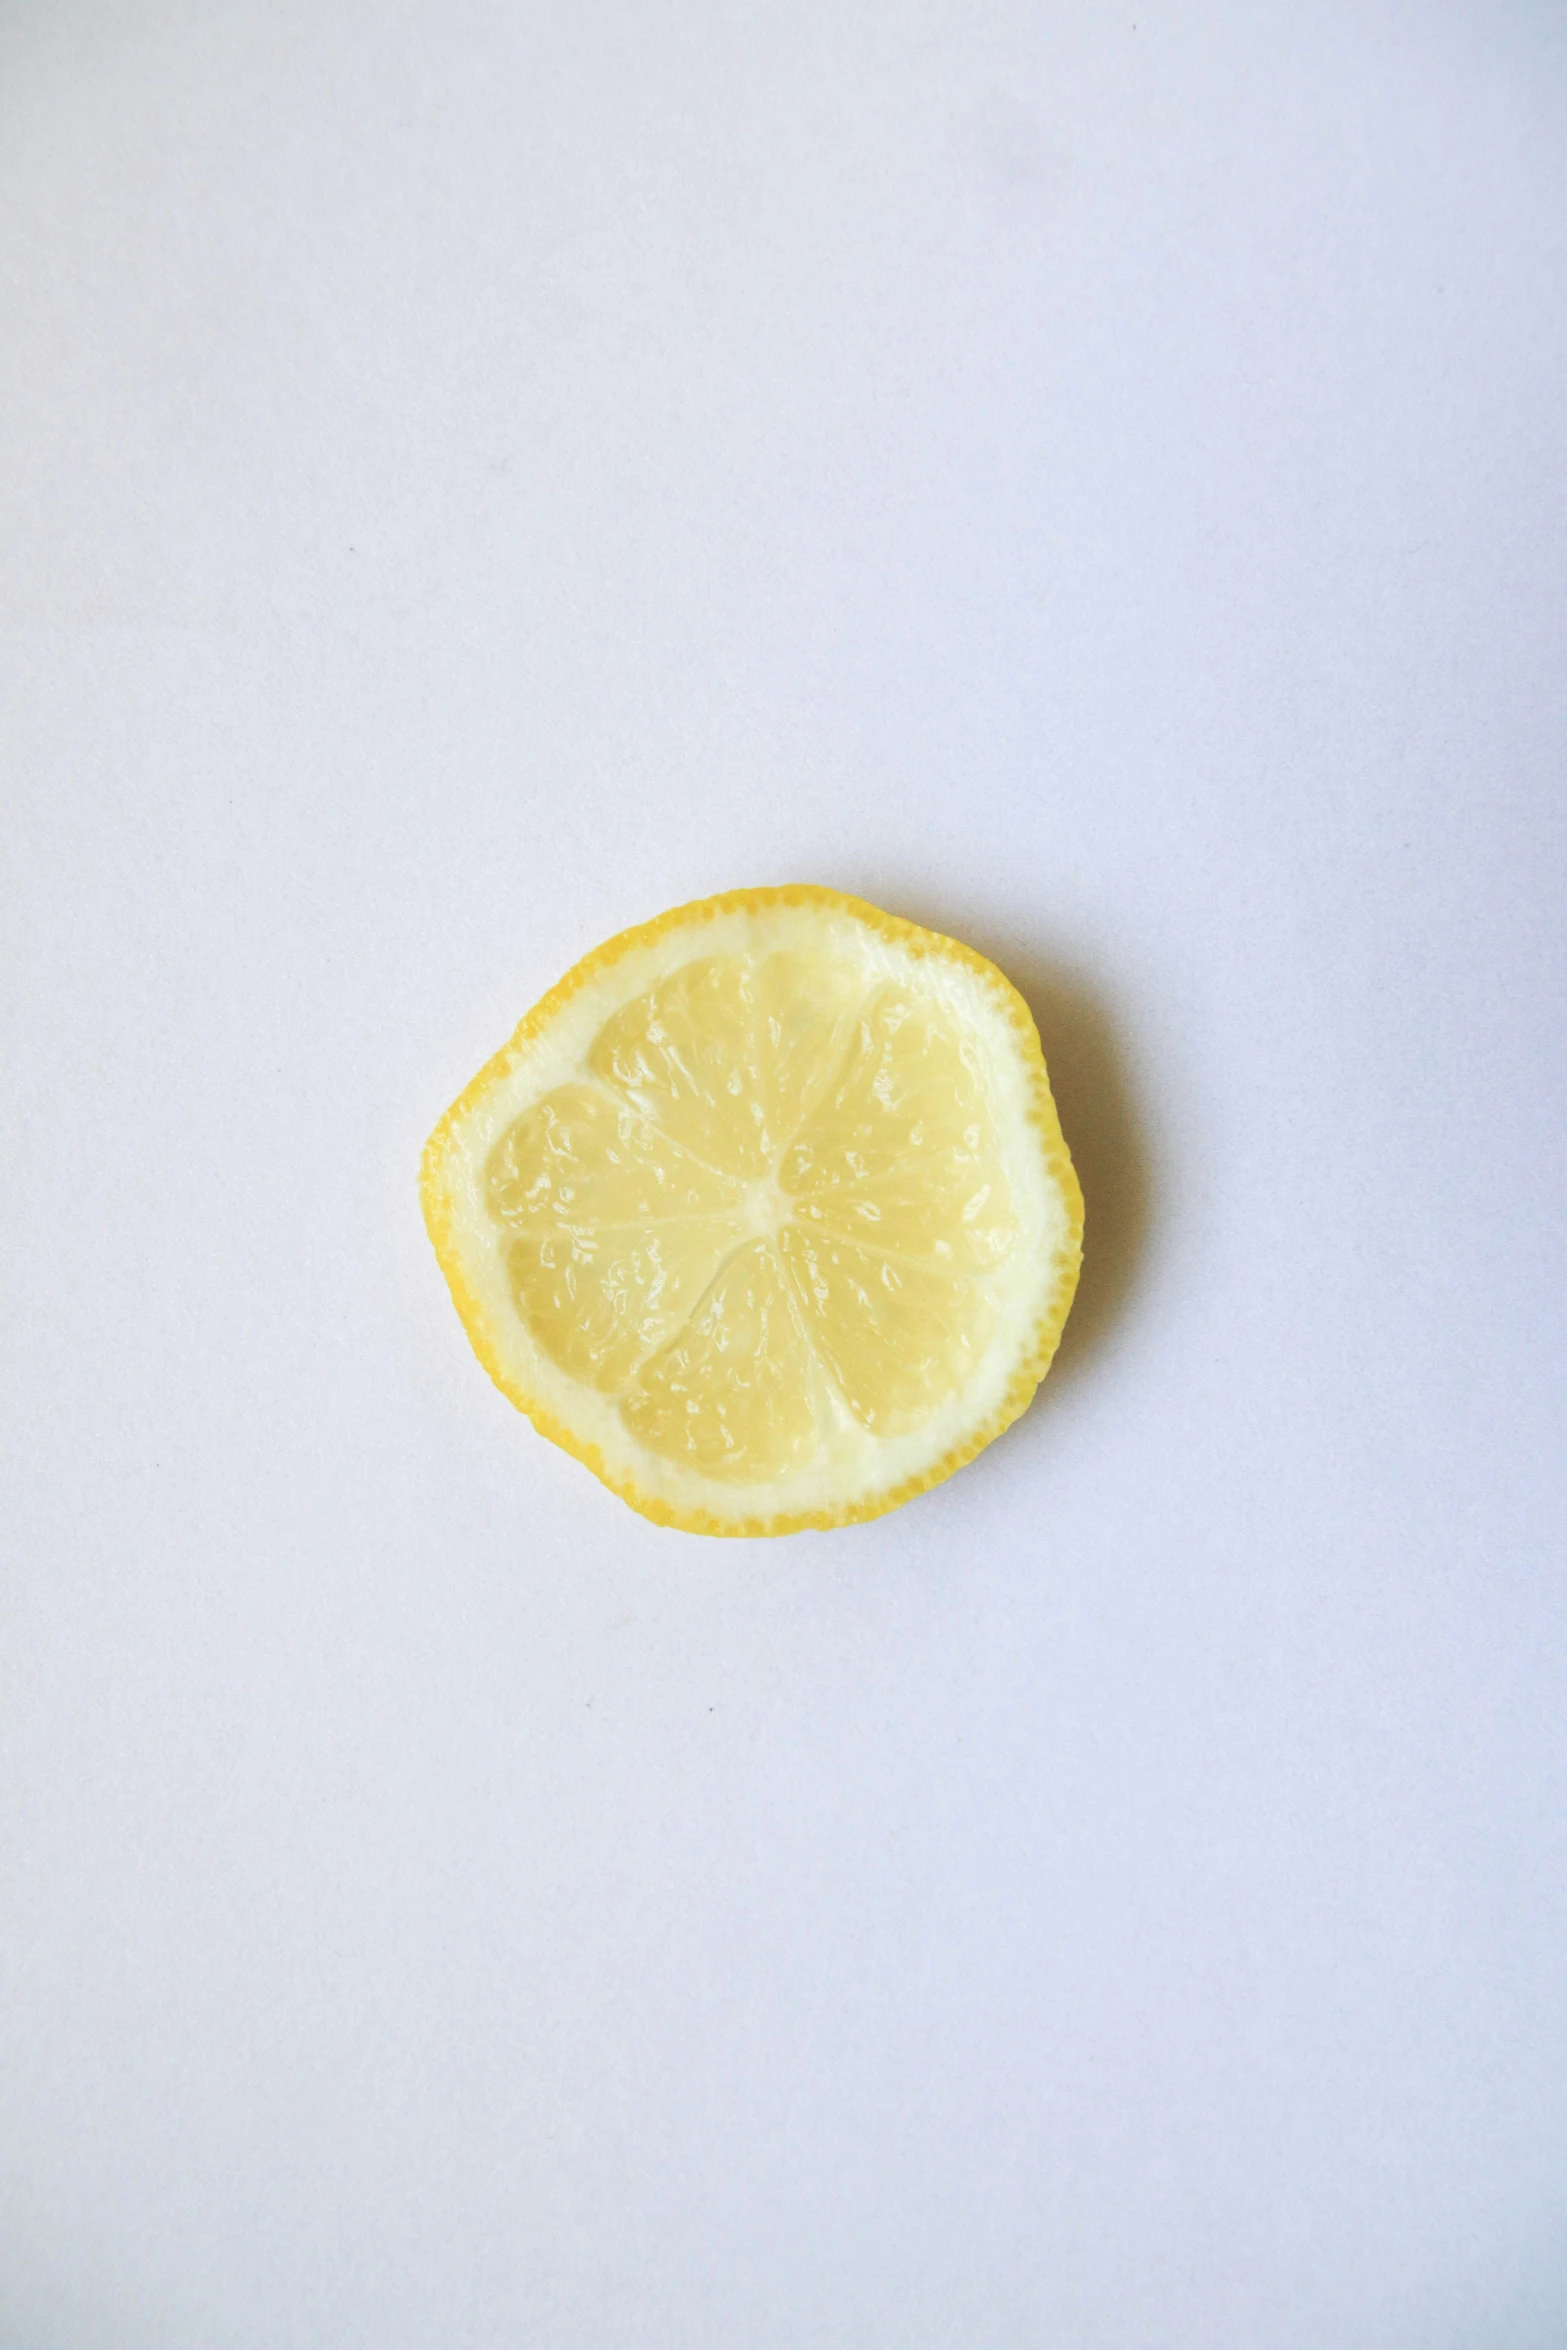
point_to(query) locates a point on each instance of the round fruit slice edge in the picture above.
(437, 1198)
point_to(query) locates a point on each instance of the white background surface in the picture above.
(1094, 481)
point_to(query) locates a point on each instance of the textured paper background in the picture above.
(1090, 479)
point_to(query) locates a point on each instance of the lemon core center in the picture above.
(767, 1207)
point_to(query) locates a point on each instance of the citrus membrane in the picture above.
(764, 1213)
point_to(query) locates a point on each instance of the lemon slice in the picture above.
(764, 1213)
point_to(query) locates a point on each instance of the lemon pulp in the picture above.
(756, 1202)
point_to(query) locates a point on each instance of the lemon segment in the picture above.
(600, 1302)
(734, 1395)
(900, 1151)
(764, 1213)
(727, 1053)
(897, 1339)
